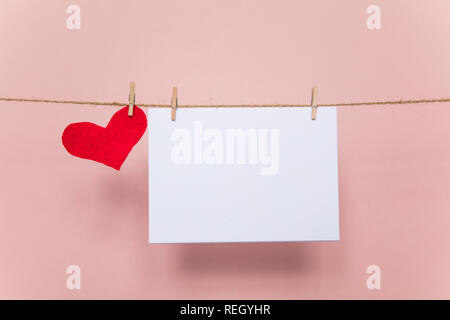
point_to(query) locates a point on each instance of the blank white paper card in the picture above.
(243, 175)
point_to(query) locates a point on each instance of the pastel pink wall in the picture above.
(394, 161)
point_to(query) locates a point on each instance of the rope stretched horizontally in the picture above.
(146, 105)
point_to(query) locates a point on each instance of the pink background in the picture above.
(394, 161)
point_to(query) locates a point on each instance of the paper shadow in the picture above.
(242, 258)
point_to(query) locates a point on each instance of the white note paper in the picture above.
(243, 175)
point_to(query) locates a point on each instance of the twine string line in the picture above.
(146, 105)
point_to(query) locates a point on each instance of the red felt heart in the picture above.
(110, 145)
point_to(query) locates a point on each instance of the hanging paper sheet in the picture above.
(243, 175)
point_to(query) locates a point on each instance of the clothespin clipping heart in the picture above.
(110, 145)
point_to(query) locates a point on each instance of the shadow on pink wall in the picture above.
(225, 258)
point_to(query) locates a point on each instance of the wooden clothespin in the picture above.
(131, 99)
(314, 95)
(174, 103)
